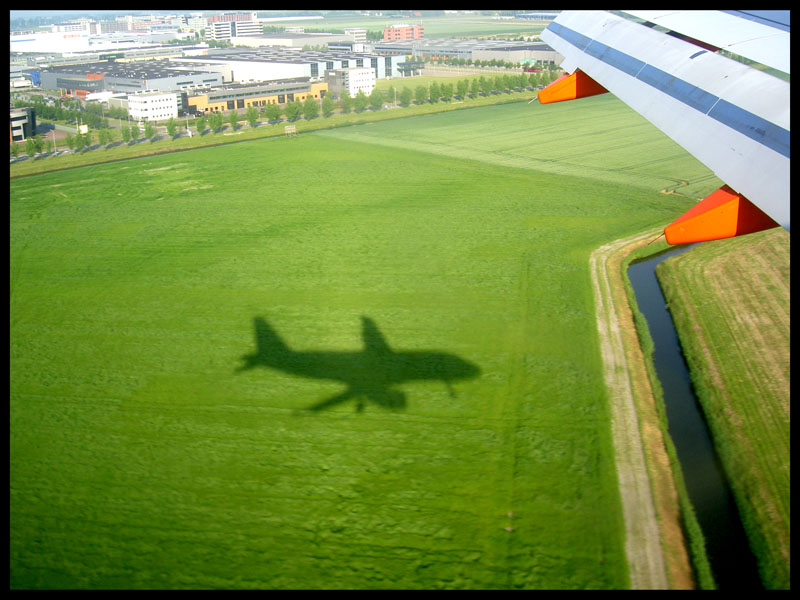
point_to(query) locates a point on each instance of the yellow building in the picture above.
(236, 96)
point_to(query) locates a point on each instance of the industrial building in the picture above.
(236, 96)
(154, 75)
(292, 39)
(62, 42)
(265, 64)
(509, 51)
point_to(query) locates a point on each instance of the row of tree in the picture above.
(71, 111)
(466, 62)
(311, 108)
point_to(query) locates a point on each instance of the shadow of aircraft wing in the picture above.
(334, 400)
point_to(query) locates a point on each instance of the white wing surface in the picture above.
(732, 117)
(761, 36)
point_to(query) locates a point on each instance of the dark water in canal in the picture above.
(732, 562)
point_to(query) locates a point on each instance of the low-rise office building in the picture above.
(226, 30)
(153, 106)
(23, 123)
(403, 32)
(243, 96)
(352, 80)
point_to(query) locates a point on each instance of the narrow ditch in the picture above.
(732, 562)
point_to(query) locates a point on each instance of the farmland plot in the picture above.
(141, 457)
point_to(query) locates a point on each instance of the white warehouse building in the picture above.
(153, 106)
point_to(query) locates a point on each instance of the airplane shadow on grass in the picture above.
(369, 373)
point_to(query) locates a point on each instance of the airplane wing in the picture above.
(732, 116)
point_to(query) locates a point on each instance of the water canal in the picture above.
(732, 562)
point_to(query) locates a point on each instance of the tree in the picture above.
(405, 97)
(124, 131)
(475, 87)
(172, 127)
(252, 116)
(310, 107)
(376, 99)
(201, 124)
(233, 119)
(134, 131)
(462, 87)
(391, 94)
(103, 136)
(80, 142)
(149, 130)
(15, 150)
(346, 101)
(360, 101)
(215, 121)
(327, 106)
(30, 147)
(421, 94)
(293, 110)
(435, 92)
(87, 138)
(447, 91)
(273, 112)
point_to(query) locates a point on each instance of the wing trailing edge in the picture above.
(731, 117)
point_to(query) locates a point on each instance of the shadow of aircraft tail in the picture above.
(270, 348)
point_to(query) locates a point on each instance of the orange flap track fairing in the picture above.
(723, 214)
(570, 87)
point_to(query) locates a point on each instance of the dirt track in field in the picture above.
(642, 463)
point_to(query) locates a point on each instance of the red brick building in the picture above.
(403, 32)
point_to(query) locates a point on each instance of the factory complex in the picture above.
(156, 82)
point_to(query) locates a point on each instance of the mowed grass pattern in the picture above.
(596, 137)
(140, 458)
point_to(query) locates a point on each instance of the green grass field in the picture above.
(141, 458)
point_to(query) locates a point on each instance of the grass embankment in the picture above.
(139, 458)
(730, 303)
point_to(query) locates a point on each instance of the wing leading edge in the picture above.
(730, 116)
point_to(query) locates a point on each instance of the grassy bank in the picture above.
(730, 303)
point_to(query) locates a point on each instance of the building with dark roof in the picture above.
(153, 75)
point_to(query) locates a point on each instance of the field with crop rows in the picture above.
(142, 457)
